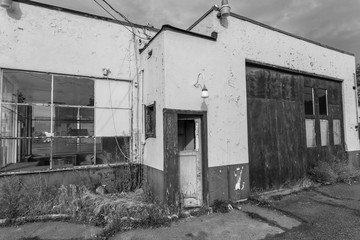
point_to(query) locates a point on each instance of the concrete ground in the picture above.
(49, 231)
(327, 212)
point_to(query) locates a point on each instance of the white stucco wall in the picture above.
(153, 87)
(42, 39)
(253, 42)
(189, 58)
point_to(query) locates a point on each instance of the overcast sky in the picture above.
(332, 22)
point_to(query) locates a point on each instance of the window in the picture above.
(49, 120)
(309, 100)
(337, 131)
(150, 121)
(310, 133)
(323, 102)
(186, 135)
(324, 132)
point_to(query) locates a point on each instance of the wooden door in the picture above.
(190, 163)
(275, 128)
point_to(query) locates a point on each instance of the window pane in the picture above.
(112, 150)
(74, 121)
(73, 91)
(310, 132)
(324, 130)
(112, 94)
(323, 103)
(309, 100)
(25, 87)
(112, 122)
(8, 121)
(337, 132)
(41, 121)
(75, 150)
(186, 135)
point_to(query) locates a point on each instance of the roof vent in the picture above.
(6, 3)
(224, 9)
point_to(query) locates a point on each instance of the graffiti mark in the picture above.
(238, 175)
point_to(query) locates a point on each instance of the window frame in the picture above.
(53, 105)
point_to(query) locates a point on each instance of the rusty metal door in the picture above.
(190, 162)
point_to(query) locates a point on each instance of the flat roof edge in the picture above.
(182, 31)
(83, 14)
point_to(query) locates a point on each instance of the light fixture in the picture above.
(6, 3)
(204, 92)
(224, 9)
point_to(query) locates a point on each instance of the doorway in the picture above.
(185, 158)
(190, 166)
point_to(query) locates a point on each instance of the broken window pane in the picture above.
(309, 100)
(73, 91)
(26, 87)
(186, 135)
(323, 102)
(324, 131)
(310, 132)
(337, 132)
(112, 150)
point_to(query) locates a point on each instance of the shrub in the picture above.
(334, 171)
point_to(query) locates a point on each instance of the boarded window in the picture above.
(309, 100)
(310, 133)
(150, 121)
(324, 131)
(337, 132)
(323, 102)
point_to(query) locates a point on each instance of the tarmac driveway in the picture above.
(328, 212)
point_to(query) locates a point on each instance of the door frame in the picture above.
(171, 155)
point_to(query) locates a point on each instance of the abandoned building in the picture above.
(227, 106)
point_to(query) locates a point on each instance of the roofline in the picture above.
(83, 14)
(213, 37)
(270, 28)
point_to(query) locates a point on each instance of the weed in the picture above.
(334, 170)
(220, 206)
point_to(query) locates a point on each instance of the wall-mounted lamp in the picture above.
(204, 90)
(6, 3)
(224, 9)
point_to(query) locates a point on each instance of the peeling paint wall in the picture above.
(226, 105)
(41, 39)
(154, 90)
(257, 43)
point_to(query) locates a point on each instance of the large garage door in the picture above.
(286, 126)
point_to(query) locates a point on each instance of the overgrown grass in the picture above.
(333, 171)
(115, 212)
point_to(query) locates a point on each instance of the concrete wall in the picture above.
(253, 42)
(153, 88)
(189, 59)
(41, 39)
(115, 178)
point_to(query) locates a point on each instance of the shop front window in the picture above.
(48, 121)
